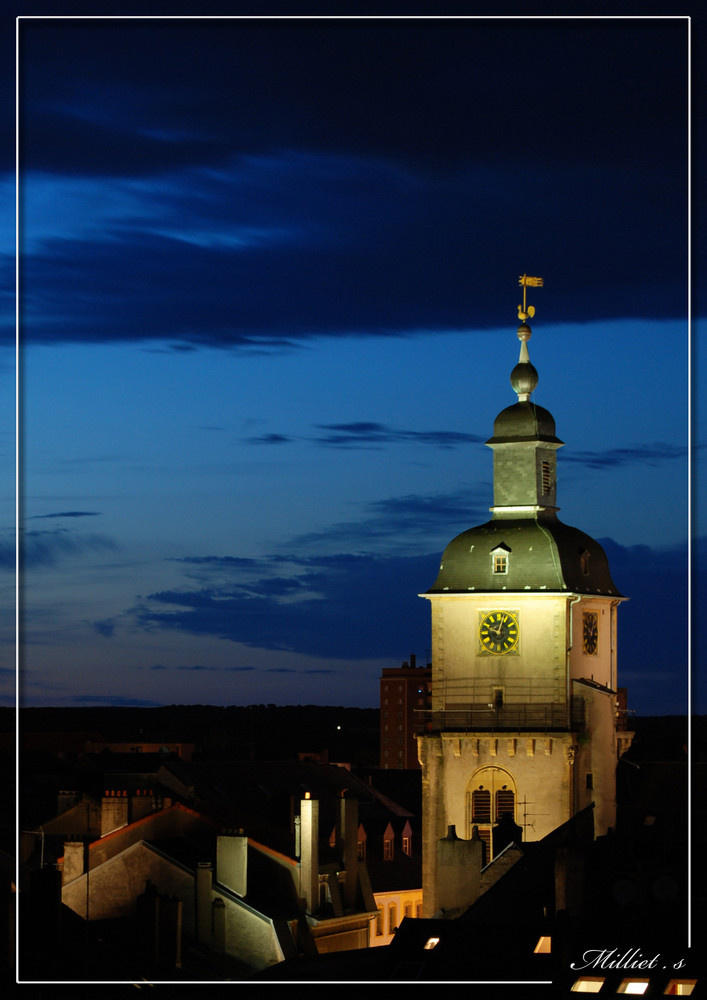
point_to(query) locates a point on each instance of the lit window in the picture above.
(431, 943)
(379, 923)
(387, 850)
(588, 984)
(680, 987)
(392, 917)
(406, 846)
(635, 986)
(500, 562)
(544, 946)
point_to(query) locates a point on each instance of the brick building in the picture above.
(405, 693)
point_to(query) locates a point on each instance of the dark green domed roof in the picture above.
(524, 422)
(544, 555)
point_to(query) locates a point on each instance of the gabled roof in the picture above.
(266, 794)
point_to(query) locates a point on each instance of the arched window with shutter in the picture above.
(491, 794)
(481, 805)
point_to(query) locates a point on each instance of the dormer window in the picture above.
(584, 562)
(407, 839)
(388, 843)
(499, 557)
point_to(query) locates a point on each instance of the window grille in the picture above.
(505, 802)
(481, 806)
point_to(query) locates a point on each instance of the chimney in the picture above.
(413, 659)
(114, 811)
(458, 870)
(232, 862)
(73, 861)
(309, 853)
(204, 880)
(219, 917)
(347, 845)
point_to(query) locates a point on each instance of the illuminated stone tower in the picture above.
(524, 682)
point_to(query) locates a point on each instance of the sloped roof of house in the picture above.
(263, 797)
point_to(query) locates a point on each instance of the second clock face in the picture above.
(499, 632)
(590, 625)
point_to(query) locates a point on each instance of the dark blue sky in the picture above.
(269, 287)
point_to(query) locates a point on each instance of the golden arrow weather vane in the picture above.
(527, 312)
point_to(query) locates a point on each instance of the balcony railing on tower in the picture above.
(524, 717)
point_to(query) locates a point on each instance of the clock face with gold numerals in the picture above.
(590, 632)
(499, 632)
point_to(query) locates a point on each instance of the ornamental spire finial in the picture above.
(527, 312)
(524, 377)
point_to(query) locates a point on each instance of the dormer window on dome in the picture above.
(499, 557)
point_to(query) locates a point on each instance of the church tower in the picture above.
(523, 723)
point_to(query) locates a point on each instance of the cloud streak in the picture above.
(365, 435)
(40, 549)
(650, 454)
(370, 434)
(325, 619)
(65, 513)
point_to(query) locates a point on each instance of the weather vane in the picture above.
(529, 311)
